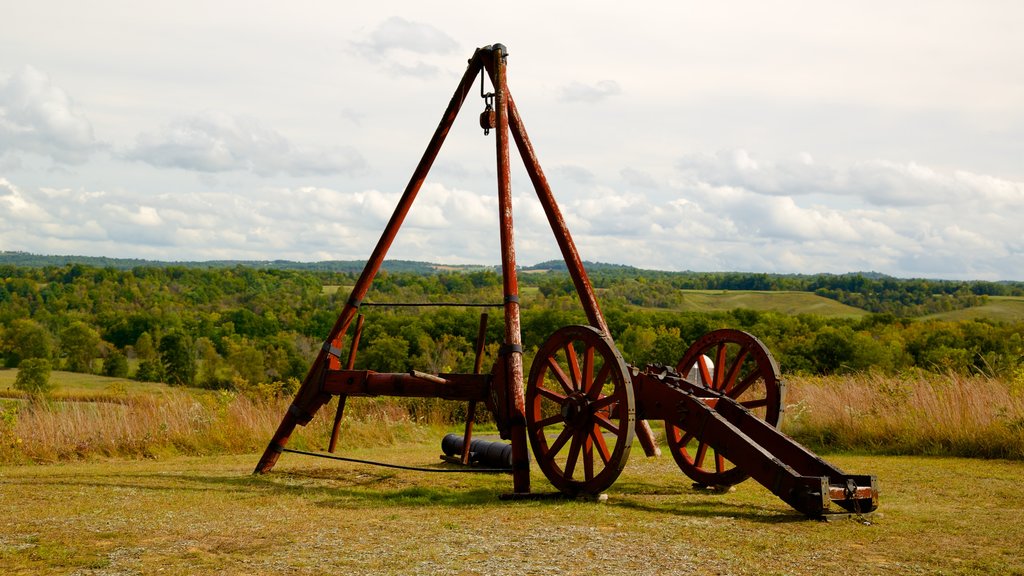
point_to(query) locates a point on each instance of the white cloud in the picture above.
(702, 223)
(17, 207)
(638, 178)
(590, 93)
(303, 223)
(401, 45)
(215, 142)
(39, 117)
(878, 182)
(396, 34)
(692, 225)
(851, 142)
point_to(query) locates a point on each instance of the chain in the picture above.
(851, 492)
(488, 101)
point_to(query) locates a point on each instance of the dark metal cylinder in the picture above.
(483, 452)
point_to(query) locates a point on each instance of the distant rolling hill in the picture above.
(736, 288)
(1001, 308)
(780, 301)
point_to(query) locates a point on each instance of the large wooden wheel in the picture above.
(738, 365)
(579, 410)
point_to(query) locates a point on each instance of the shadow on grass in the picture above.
(713, 508)
(364, 487)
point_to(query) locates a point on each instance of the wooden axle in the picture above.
(464, 387)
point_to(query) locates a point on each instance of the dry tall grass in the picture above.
(956, 415)
(181, 422)
(972, 416)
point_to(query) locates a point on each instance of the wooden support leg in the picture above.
(481, 340)
(646, 437)
(336, 429)
(467, 436)
(308, 397)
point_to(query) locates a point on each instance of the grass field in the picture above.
(312, 516)
(778, 301)
(74, 383)
(1000, 308)
(163, 507)
(724, 300)
(1004, 308)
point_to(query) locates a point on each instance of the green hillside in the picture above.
(764, 301)
(1001, 308)
(74, 383)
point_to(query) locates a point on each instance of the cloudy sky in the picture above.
(749, 136)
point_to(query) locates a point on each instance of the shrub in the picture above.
(150, 371)
(34, 377)
(116, 365)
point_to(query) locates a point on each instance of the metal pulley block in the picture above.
(488, 120)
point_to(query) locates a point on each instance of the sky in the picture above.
(780, 137)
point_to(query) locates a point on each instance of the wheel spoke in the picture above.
(605, 423)
(574, 366)
(705, 373)
(685, 440)
(698, 457)
(553, 396)
(602, 447)
(734, 371)
(573, 457)
(719, 463)
(598, 384)
(588, 458)
(588, 369)
(549, 421)
(604, 402)
(746, 383)
(559, 374)
(559, 443)
(748, 404)
(720, 367)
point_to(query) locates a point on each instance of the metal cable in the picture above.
(399, 466)
(426, 304)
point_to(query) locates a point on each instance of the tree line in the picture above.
(242, 326)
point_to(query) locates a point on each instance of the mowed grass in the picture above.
(312, 516)
(766, 301)
(187, 503)
(787, 302)
(69, 384)
(330, 289)
(1004, 308)
(999, 308)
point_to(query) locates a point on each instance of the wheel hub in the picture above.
(576, 410)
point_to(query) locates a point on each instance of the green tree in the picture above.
(637, 344)
(25, 338)
(445, 354)
(247, 361)
(386, 354)
(214, 373)
(144, 347)
(34, 377)
(80, 345)
(178, 360)
(151, 370)
(668, 347)
(834, 350)
(115, 364)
